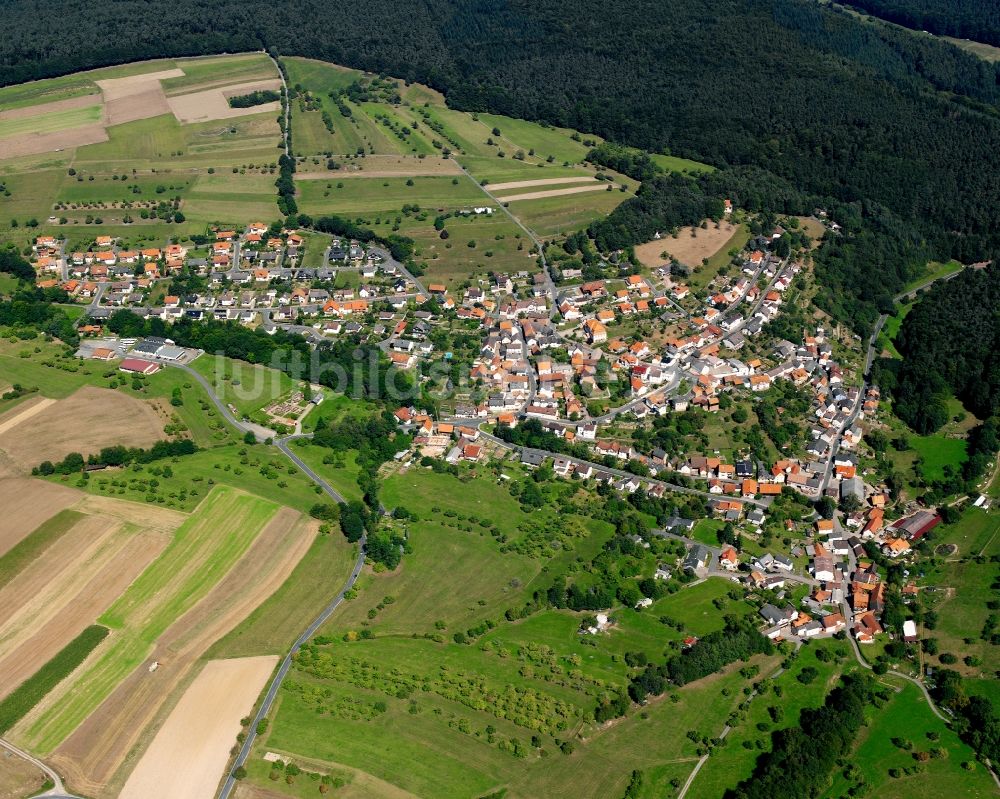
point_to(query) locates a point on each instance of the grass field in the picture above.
(203, 549)
(938, 451)
(51, 121)
(247, 387)
(274, 625)
(195, 159)
(934, 271)
(734, 762)
(342, 474)
(673, 163)
(907, 716)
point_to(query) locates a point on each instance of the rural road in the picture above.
(57, 791)
(272, 692)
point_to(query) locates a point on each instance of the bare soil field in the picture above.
(48, 108)
(214, 104)
(18, 778)
(114, 88)
(98, 755)
(150, 103)
(24, 412)
(84, 422)
(388, 166)
(689, 250)
(524, 184)
(56, 615)
(188, 756)
(35, 143)
(26, 504)
(539, 195)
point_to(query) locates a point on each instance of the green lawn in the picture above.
(262, 471)
(373, 196)
(203, 550)
(548, 216)
(937, 451)
(248, 387)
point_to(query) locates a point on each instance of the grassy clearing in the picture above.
(32, 546)
(260, 471)
(203, 550)
(935, 270)
(907, 716)
(247, 387)
(673, 163)
(272, 627)
(963, 589)
(341, 473)
(704, 274)
(976, 533)
(938, 451)
(435, 745)
(987, 52)
(29, 693)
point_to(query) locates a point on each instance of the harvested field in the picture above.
(35, 143)
(69, 603)
(150, 103)
(99, 753)
(524, 184)
(84, 422)
(214, 104)
(49, 108)
(689, 250)
(26, 504)
(539, 195)
(189, 754)
(115, 88)
(18, 778)
(23, 413)
(388, 166)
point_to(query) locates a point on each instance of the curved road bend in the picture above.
(57, 791)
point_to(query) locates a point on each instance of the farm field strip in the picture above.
(541, 195)
(27, 504)
(42, 635)
(122, 724)
(23, 414)
(189, 753)
(203, 549)
(524, 184)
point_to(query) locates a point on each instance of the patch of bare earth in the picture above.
(201, 106)
(18, 778)
(189, 754)
(35, 143)
(74, 597)
(26, 504)
(84, 422)
(540, 195)
(150, 103)
(98, 756)
(687, 248)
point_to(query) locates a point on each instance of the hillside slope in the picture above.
(838, 106)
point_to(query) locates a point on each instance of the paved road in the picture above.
(617, 472)
(58, 790)
(550, 287)
(261, 433)
(286, 664)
